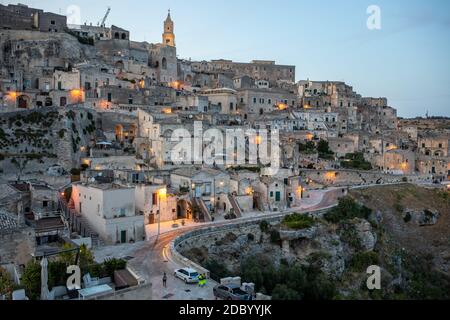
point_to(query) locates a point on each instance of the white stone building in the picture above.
(110, 211)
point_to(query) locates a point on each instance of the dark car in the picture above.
(230, 292)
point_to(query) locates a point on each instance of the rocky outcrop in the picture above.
(367, 237)
(422, 218)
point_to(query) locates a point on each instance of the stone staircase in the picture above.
(78, 223)
(203, 209)
(235, 205)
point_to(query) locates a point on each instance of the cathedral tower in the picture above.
(168, 35)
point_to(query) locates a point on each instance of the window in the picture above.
(155, 199)
(45, 204)
(53, 22)
(254, 100)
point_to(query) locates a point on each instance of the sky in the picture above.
(407, 60)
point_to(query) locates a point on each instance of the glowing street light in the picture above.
(162, 193)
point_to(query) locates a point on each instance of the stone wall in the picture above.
(140, 293)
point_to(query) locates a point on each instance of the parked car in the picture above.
(187, 275)
(230, 292)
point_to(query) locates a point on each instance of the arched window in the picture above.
(124, 36)
(164, 63)
(116, 35)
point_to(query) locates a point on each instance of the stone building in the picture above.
(153, 200)
(260, 101)
(163, 56)
(225, 99)
(169, 35)
(21, 17)
(257, 69)
(434, 145)
(399, 161)
(110, 211)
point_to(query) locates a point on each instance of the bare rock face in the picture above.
(334, 264)
(367, 237)
(309, 233)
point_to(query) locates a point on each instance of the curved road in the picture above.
(153, 258)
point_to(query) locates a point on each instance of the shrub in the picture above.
(31, 280)
(407, 217)
(6, 284)
(298, 221)
(275, 236)
(356, 161)
(347, 209)
(283, 293)
(286, 282)
(350, 236)
(399, 208)
(361, 261)
(217, 270)
(111, 265)
(324, 150)
(264, 226)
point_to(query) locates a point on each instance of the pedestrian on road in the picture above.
(165, 280)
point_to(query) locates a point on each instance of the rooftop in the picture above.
(7, 222)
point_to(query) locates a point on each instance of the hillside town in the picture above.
(108, 144)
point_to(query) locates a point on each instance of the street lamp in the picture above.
(161, 193)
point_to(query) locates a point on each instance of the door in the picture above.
(278, 196)
(198, 192)
(123, 236)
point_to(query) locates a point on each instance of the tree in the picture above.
(31, 280)
(347, 209)
(86, 258)
(283, 292)
(323, 148)
(6, 284)
(20, 164)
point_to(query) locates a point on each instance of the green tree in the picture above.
(6, 284)
(282, 292)
(347, 209)
(31, 280)
(323, 148)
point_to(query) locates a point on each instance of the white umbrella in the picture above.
(44, 279)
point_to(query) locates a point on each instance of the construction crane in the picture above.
(102, 23)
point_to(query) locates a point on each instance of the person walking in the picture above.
(165, 280)
(200, 279)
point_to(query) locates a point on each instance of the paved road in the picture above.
(152, 258)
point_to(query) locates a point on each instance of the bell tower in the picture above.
(168, 35)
